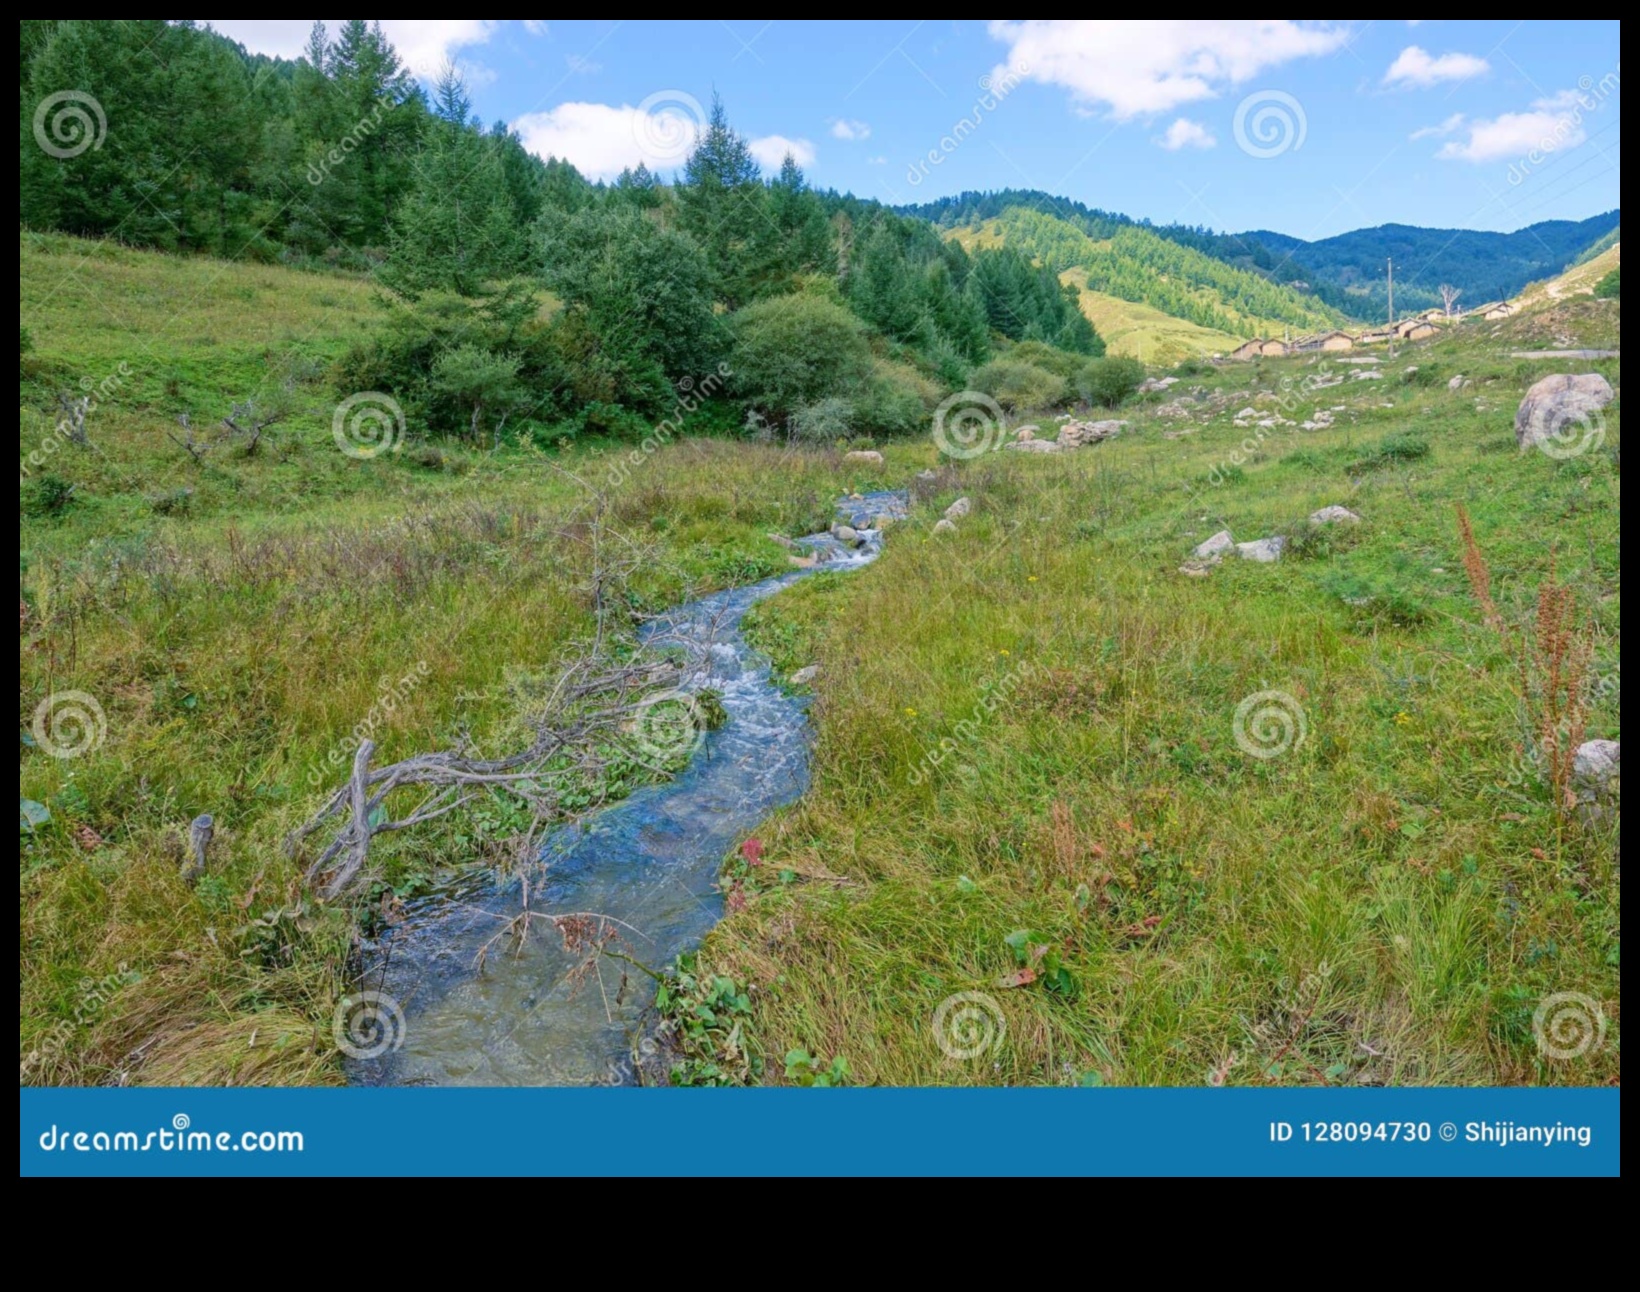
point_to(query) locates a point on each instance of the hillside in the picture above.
(1348, 271)
(1218, 305)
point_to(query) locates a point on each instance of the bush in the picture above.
(1608, 287)
(1190, 368)
(896, 401)
(1110, 382)
(477, 382)
(1403, 446)
(824, 422)
(1016, 385)
(50, 495)
(794, 351)
(1062, 363)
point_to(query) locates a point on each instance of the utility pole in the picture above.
(1392, 295)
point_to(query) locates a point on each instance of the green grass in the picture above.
(1383, 905)
(1386, 904)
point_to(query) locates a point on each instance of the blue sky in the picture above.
(1309, 128)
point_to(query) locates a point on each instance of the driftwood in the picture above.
(584, 715)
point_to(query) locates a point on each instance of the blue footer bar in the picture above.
(819, 1132)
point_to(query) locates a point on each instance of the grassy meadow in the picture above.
(1387, 901)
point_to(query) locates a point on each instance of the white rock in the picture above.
(1457, 383)
(1561, 406)
(868, 457)
(1335, 516)
(958, 509)
(1597, 762)
(1215, 547)
(1266, 551)
(945, 527)
(847, 535)
(804, 676)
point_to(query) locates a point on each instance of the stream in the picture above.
(650, 862)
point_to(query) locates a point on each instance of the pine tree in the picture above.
(722, 204)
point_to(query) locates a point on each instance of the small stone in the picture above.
(805, 676)
(1266, 551)
(847, 535)
(959, 509)
(1335, 516)
(867, 457)
(1215, 547)
(945, 527)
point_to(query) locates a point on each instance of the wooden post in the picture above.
(200, 835)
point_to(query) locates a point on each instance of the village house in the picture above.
(1493, 312)
(1414, 330)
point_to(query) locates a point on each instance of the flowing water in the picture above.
(650, 862)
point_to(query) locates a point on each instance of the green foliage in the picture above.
(1394, 450)
(26, 346)
(1038, 959)
(706, 1018)
(479, 381)
(1609, 288)
(794, 351)
(1110, 382)
(804, 1069)
(826, 422)
(1018, 386)
(47, 496)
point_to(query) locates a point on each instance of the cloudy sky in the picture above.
(1311, 128)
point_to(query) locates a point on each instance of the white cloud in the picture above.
(1552, 125)
(1185, 133)
(602, 141)
(852, 131)
(771, 151)
(1450, 126)
(1134, 68)
(425, 44)
(1418, 67)
(535, 26)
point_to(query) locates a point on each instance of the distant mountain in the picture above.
(1348, 271)
(1343, 274)
(1151, 295)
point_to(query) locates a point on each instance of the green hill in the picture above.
(1217, 303)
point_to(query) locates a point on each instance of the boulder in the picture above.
(1073, 434)
(847, 535)
(958, 509)
(866, 457)
(1215, 547)
(1335, 516)
(1457, 383)
(1596, 764)
(1555, 402)
(1266, 551)
(945, 527)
